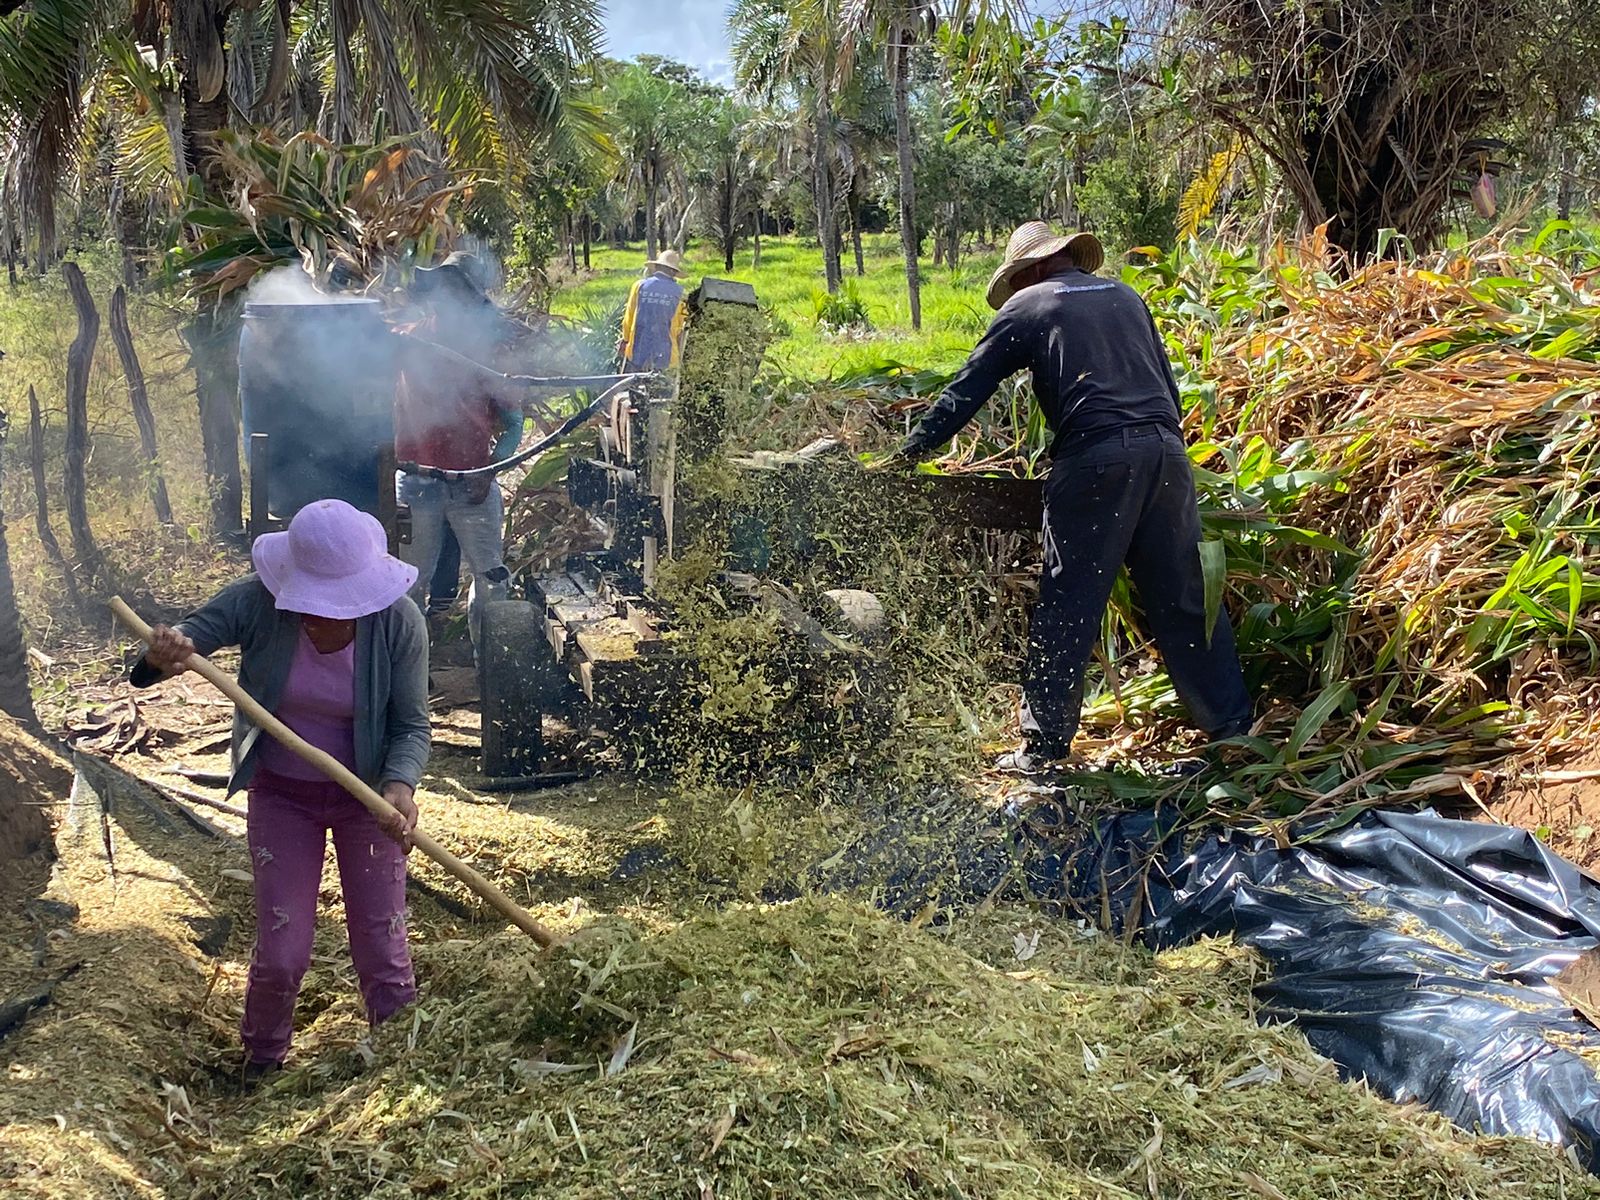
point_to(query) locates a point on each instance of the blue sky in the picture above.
(692, 31)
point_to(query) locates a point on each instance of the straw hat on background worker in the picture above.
(1033, 243)
(669, 262)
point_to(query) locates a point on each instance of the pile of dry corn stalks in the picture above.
(1397, 469)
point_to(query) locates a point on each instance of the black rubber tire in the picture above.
(515, 672)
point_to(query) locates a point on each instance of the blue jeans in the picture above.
(446, 583)
(479, 529)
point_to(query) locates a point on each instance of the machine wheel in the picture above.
(515, 672)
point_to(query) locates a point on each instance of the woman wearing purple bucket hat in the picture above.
(331, 644)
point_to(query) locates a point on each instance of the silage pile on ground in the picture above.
(817, 1049)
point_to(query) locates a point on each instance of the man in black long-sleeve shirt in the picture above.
(1119, 491)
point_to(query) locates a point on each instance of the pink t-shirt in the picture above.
(319, 704)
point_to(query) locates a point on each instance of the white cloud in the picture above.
(691, 31)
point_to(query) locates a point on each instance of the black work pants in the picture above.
(1127, 497)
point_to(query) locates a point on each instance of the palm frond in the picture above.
(44, 50)
(138, 105)
(382, 25)
(1203, 192)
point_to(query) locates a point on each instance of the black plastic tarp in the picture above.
(1413, 950)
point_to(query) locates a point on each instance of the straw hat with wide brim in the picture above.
(669, 261)
(333, 561)
(1033, 243)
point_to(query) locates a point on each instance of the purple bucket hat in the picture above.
(332, 561)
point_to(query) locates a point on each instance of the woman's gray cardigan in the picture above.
(392, 733)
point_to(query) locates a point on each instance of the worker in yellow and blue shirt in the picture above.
(652, 323)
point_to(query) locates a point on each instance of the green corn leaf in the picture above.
(1218, 793)
(1574, 595)
(213, 218)
(1316, 716)
(1550, 229)
(1310, 537)
(1345, 816)
(1378, 709)
(546, 470)
(1214, 573)
(1264, 749)
(1475, 714)
(1291, 483)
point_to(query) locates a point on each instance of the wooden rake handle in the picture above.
(345, 778)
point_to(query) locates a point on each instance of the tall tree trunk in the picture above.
(730, 218)
(827, 221)
(130, 227)
(213, 335)
(41, 492)
(213, 341)
(854, 200)
(900, 56)
(139, 398)
(1565, 182)
(755, 234)
(588, 232)
(16, 697)
(652, 188)
(8, 231)
(80, 359)
(680, 240)
(572, 242)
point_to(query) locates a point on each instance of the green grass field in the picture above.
(954, 315)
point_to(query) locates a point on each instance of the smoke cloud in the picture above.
(289, 284)
(335, 383)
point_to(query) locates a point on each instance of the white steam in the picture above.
(289, 284)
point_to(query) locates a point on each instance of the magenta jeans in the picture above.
(288, 829)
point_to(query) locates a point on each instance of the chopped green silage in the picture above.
(821, 1050)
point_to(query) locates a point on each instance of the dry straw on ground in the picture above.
(819, 1049)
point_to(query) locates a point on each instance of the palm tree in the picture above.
(649, 114)
(720, 167)
(770, 140)
(1061, 138)
(863, 135)
(484, 81)
(898, 25)
(797, 45)
(489, 82)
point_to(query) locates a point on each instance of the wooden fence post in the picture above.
(47, 536)
(80, 360)
(139, 398)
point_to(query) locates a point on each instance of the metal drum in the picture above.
(319, 381)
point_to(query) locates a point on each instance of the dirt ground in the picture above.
(28, 770)
(1561, 804)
